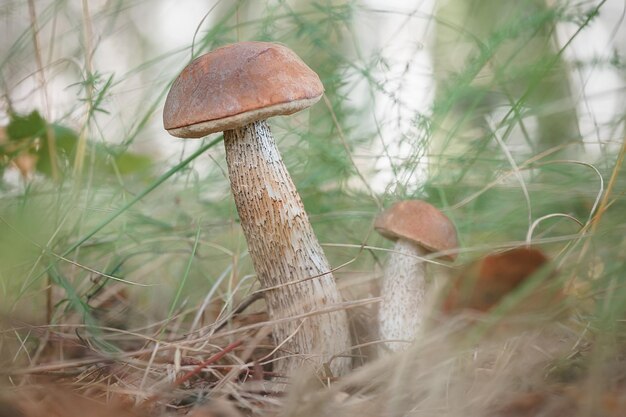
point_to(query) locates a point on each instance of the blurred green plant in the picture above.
(26, 146)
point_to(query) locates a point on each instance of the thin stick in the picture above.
(196, 370)
(605, 200)
(207, 362)
(44, 91)
(79, 158)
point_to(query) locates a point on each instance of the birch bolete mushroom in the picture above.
(418, 228)
(234, 89)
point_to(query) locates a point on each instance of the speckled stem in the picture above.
(284, 249)
(403, 291)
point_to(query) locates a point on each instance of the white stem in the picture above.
(284, 250)
(403, 293)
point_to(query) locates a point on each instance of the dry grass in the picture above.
(470, 364)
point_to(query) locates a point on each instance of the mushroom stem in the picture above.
(401, 312)
(284, 249)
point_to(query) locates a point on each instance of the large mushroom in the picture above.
(234, 89)
(418, 229)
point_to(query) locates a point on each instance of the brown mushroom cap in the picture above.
(485, 282)
(418, 222)
(238, 84)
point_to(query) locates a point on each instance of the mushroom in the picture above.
(485, 282)
(418, 228)
(234, 89)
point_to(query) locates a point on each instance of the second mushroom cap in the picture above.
(421, 223)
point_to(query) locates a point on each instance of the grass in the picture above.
(124, 275)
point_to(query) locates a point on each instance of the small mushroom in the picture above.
(418, 229)
(234, 89)
(486, 282)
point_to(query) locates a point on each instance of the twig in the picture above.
(207, 362)
(195, 371)
(605, 200)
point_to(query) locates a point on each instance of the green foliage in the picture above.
(26, 127)
(33, 135)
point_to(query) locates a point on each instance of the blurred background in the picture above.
(508, 115)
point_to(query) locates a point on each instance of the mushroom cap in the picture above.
(513, 265)
(238, 84)
(485, 282)
(420, 223)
